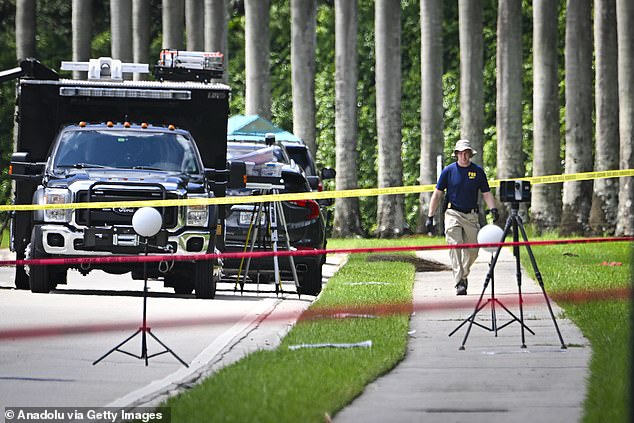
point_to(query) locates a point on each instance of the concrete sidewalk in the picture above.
(493, 379)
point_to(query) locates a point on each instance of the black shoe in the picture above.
(461, 287)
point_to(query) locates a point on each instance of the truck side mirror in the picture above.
(23, 169)
(237, 174)
(328, 173)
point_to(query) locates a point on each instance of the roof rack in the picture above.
(105, 68)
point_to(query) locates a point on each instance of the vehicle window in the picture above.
(300, 155)
(256, 154)
(126, 149)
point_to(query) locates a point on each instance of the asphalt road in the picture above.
(58, 370)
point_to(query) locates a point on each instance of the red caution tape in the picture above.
(318, 313)
(284, 253)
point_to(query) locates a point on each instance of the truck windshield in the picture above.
(125, 149)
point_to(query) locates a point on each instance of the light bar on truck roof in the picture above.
(125, 93)
(105, 68)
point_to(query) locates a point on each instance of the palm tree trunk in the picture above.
(82, 33)
(390, 210)
(121, 29)
(257, 62)
(194, 24)
(25, 29)
(546, 199)
(303, 41)
(605, 198)
(471, 74)
(140, 34)
(431, 107)
(347, 221)
(510, 160)
(216, 18)
(625, 34)
(510, 157)
(173, 18)
(578, 50)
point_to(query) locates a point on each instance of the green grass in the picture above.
(606, 324)
(303, 385)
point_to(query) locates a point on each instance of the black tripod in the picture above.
(492, 301)
(514, 223)
(144, 330)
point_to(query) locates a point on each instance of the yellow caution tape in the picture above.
(364, 192)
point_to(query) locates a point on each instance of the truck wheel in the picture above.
(39, 278)
(180, 280)
(183, 285)
(58, 277)
(310, 282)
(21, 278)
(204, 280)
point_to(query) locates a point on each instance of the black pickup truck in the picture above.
(117, 141)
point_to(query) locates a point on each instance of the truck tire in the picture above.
(58, 275)
(310, 281)
(180, 280)
(21, 278)
(39, 277)
(183, 285)
(204, 280)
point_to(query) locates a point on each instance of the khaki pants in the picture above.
(461, 228)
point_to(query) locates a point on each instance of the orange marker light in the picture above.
(171, 127)
(144, 125)
(109, 124)
(82, 124)
(126, 124)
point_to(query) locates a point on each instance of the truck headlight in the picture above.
(57, 196)
(197, 215)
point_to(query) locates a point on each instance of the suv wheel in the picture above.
(310, 283)
(204, 280)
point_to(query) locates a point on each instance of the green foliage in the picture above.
(53, 45)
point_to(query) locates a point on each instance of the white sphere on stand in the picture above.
(147, 221)
(490, 234)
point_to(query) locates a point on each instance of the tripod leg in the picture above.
(538, 275)
(258, 221)
(274, 239)
(116, 348)
(478, 309)
(166, 348)
(288, 244)
(494, 260)
(515, 318)
(254, 215)
(518, 273)
(494, 325)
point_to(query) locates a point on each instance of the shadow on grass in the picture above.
(421, 265)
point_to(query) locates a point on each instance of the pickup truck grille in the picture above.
(122, 215)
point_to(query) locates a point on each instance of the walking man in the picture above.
(462, 180)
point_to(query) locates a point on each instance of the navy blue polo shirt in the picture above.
(462, 184)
